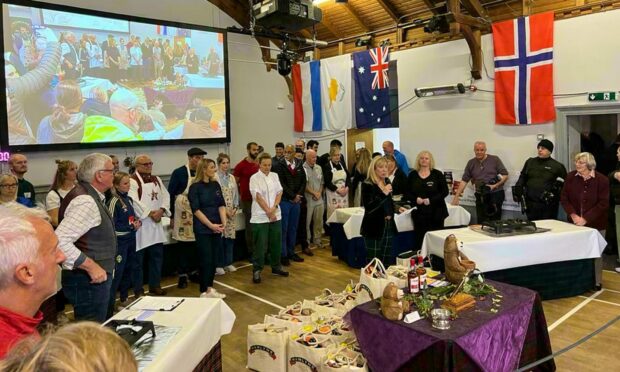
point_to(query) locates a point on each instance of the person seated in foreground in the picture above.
(82, 346)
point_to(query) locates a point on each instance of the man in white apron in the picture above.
(182, 220)
(149, 191)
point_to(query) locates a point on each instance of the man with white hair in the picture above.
(29, 259)
(125, 124)
(86, 236)
(488, 174)
(149, 192)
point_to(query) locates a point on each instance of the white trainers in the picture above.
(230, 268)
(219, 271)
(212, 294)
(618, 269)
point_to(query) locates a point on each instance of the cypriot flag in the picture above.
(336, 98)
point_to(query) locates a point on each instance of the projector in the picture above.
(286, 15)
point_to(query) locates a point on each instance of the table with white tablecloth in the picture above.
(201, 323)
(537, 254)
(352, 218)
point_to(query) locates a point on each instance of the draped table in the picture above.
(196, 346)
(180, 98)
(478, 339)
(557, 263)
(348, 244)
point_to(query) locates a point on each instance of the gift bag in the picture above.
(306, 351)
(343, 359)
(295, 325)
(374, 277)
(267, 347)
(326, 309)
(364, 294)
(398, 275)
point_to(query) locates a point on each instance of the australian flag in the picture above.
(372, 88)
(524, 70)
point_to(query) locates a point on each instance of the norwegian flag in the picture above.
(372, 92)
(524, 70)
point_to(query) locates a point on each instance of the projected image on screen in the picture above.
(75, 78)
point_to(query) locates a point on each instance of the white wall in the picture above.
(254, 93)
(586, 59)
(381, 135)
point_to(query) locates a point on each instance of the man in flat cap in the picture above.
(182, 217)
(540, 184)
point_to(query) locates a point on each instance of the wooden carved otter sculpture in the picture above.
(455, 261)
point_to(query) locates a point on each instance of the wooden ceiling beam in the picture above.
(431, 6)
(389, 9)
(326, 21)
(474, 8)
(353, 14)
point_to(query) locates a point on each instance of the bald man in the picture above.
(401, 160)
(149, 193)
(18, 164)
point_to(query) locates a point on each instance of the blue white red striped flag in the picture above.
(524, 70)
(307, 96)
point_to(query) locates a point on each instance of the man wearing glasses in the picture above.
(87, 238)
(19, 166)
(149, 193)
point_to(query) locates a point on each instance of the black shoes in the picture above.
(158, 291)
(194, 277)
(285, 261)
(182, 282)
(279, 272)
(295, 257)
(598, 287)
(256, 277)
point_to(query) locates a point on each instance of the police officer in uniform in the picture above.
(540, 184)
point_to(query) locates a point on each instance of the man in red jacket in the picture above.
(29, 259)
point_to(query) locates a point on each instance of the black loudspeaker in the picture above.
(284, 64)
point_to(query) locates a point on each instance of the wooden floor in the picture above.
(569, 319)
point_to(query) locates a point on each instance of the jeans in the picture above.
(207, 244)
(225, 254)
(156, 260)
(290, 222)
(125, 245)
(267, 238)
(90, 301)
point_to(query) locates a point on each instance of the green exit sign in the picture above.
(602, 96)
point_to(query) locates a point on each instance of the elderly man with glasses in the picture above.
(87, 238)
(152, 197)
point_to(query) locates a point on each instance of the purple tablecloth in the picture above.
(478, 339)
(180, 98)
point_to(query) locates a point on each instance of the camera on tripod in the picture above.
(485, 190)
(551, 195)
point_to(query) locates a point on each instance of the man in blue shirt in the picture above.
(401, 160)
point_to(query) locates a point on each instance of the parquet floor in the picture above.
(569, 319)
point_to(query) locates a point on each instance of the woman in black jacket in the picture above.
(427, 189)
(378, 224)
(397, 177)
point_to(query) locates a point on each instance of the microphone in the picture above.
(387, 181)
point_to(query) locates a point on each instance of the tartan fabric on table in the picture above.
(212, 362)
(382, 248)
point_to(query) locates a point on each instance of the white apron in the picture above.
(335, 201)
(183, 230)
(152, 198)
